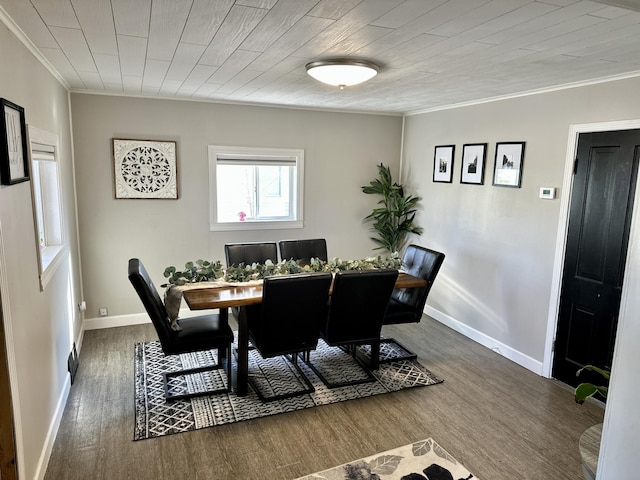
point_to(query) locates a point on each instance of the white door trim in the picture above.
(563, 221)
(11, 359)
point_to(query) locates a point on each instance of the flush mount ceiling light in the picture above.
(342, 73)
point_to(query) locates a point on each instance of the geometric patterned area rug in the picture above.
(155, 417)
(424, 460)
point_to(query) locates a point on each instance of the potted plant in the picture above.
(587, 390)
(393, 219)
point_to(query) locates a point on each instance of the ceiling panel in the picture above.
(431, 53)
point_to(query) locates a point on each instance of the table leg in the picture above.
(241, 375)
(375, 356)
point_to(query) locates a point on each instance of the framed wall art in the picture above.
(473, 160)
(145, 169)
(443, 163)
(507, 170)
(14, 162)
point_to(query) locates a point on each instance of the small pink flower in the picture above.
(242, 216)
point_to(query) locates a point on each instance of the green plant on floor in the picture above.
(393, 219)
(587, 390)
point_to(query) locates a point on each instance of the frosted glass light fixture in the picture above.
(343, 72)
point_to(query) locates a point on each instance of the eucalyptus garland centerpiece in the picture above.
(198, 271)
(206, 271)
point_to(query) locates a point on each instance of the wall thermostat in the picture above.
(548, 193)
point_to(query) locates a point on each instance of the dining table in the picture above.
(228, 296)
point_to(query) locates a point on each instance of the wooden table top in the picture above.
(237, 296)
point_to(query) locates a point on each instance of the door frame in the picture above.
(11, 360)
(563, 224)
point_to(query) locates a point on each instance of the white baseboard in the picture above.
(503, 349)
(133, 319)
(115, 321)
(43, 461)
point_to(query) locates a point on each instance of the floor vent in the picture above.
(72, 363)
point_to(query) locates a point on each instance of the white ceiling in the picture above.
(432, 53)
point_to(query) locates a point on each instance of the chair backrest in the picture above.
(288, 320)
(248, 253)
(303, 250)
(422, 263)
(358, 304)
(152, 302)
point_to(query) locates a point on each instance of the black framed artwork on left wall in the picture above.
(14, 162)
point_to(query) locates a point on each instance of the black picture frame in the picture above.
(14, 160)
(509, 160)
(443, 163)
(474, 157)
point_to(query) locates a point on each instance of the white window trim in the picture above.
(51, 257)
(216, 151)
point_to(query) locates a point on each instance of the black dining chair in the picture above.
(252, 252)
(205, 332)
(407, 304)
(303, 250)
(247, 254)
(358, 305)
(286, 322)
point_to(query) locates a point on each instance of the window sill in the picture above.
(238, 226)
(50, 258)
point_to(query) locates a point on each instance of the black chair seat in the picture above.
(358, 305)
(398, 312)
(407, 304)
(204, 332)
(287, 320)
(198, 333)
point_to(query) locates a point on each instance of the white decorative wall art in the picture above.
(145, 169)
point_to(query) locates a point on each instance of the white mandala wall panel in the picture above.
(145, 169)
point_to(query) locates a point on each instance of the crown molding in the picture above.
(566, 86)
(17, 31)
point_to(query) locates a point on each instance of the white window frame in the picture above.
(228, 153)
(44, 147)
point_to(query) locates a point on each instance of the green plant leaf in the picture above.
(395, 216)
(169, 271)
(605, 373)
(587, 390)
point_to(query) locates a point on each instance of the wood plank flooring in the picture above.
(497, 418)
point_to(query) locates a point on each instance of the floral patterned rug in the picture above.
(424, 460)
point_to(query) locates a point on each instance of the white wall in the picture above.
(39, 325)
(495, 284)
(341, 154)
(619, 451)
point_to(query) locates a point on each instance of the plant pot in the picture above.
(589, 449)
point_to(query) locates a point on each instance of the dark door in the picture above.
(598, 232)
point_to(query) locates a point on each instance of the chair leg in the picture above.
(293, 359)
(351, 350)
(373, 362)
(223, 354)
(409, 356)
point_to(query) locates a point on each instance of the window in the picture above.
(255, 188)
(46, 200)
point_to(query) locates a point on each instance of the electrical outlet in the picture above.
(102, 311)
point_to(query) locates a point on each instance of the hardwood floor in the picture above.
(497, 418)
